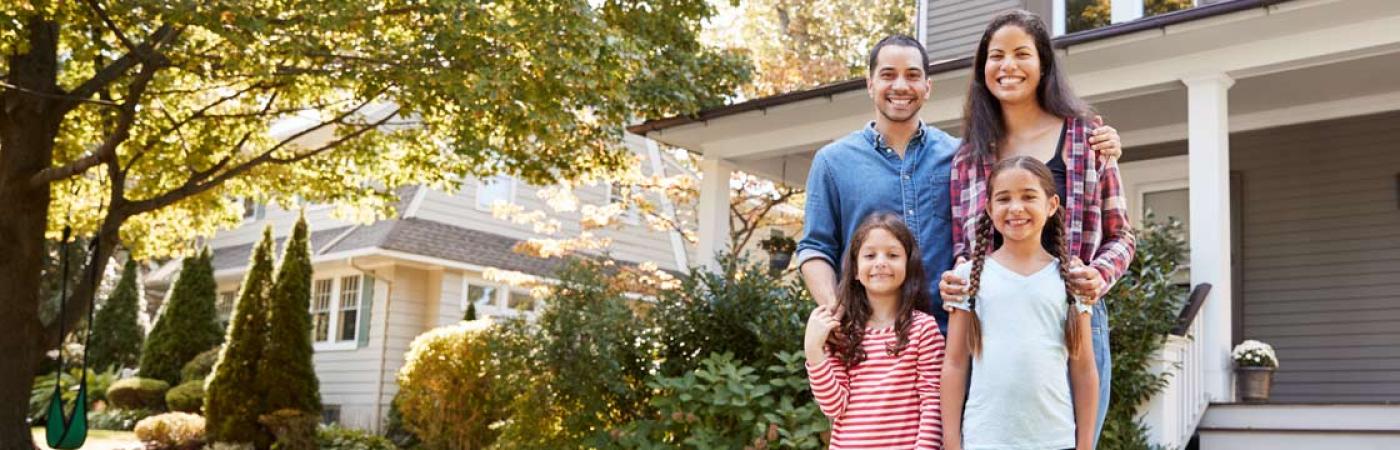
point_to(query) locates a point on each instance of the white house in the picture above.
(378, 286)
(1271, 127)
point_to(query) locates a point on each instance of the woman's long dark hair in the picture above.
(983, 127)
(1055, 245)
(851, 297)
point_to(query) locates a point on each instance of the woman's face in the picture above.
(1013, 66)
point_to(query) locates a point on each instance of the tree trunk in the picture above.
(27, 131)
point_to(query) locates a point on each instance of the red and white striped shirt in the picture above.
(886, 401)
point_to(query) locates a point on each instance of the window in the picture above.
(224, 307)
(335, 312)
(253, 210)
(481, 295)
(330, 414)
(349, 307)
(1168, 204)
(521, 301)
(321, 311)
(498, 189)
(618, 193)
(1081, 15)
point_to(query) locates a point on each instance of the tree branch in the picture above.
(145, 53)
(126, 116)
(102, 15)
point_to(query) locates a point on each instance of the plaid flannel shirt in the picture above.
(1098, 227)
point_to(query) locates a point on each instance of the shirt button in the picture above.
(911, 212)
(906, 176)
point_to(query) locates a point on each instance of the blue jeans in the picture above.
(1103, 361)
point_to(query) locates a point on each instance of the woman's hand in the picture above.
(1105, 141)
(1085, 281)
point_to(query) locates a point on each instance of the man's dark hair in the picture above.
(901, 40)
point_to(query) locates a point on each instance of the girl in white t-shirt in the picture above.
(1022, 333)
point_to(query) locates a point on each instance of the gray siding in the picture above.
(1322, 256)
(954, 26)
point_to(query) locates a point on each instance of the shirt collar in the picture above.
(879, 139)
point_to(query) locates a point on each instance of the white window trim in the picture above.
(480, 183)
(632, 216)
(494, 308)
(333, 332)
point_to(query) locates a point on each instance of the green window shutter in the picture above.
(366, 307)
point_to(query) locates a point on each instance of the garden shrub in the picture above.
(335, 437)
(1143, 307)
(117, 419)
(97, 383)
(187, 397)
(188, 322)
(171, 431)
(138, 393)
(447, 392)
(201, 366)
(294, 429)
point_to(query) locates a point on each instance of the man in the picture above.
(895, 163)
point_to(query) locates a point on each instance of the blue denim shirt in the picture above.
(858, 174)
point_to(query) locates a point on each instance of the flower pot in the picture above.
(778, 262)
(1253, 383)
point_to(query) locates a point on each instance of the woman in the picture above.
(1020, 104)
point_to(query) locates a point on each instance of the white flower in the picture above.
(1252, 353)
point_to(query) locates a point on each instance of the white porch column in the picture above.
(712, 214)
(1125, 10)
(1209, 170)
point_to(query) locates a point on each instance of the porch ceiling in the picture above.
(1294, 62)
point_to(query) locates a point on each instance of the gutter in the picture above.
(1160, 21)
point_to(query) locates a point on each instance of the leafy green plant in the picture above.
(138, 393)
(187, 397)
(97, 382)
(727, 405)
(117, 419)
(336, 437)
(1143, 307)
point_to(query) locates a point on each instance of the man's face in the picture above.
(898, 84)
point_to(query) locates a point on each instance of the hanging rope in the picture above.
(69, 431)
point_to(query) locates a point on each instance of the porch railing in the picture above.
(1172, 415)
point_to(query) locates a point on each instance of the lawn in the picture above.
(97, 440)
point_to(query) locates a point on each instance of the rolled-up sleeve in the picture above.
(821, 231)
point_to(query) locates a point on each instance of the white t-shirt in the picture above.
(1019, 396)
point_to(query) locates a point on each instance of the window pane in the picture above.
(348, 325)
(492, 190)
(481, 295)
(1083, 15)
(1155, 7)
(320, 310)
(1172, 204)
(320, 326)
(521, 301)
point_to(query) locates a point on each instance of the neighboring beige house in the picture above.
(1272, 128)
(378, 286)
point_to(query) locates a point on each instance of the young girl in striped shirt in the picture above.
(874, 361)
(1023, 332)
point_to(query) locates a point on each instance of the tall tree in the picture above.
(116, 331)
(188, 324)
(286, 377)
(232, 402)
(151, 119)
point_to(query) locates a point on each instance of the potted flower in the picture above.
(779, 248)
(1255, 363)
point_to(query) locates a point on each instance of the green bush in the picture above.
(138, 393)
(187, 397)
(116, 330)
(585, 362)
(201, 366)
(727, 405)
(1143, 307)
(97, 383)
(188, 322)
(171, 431)
(335, 437)
(117, 419)
(742, 311)
(448, 394)
(294, 429)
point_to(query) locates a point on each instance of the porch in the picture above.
(1273, 130)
